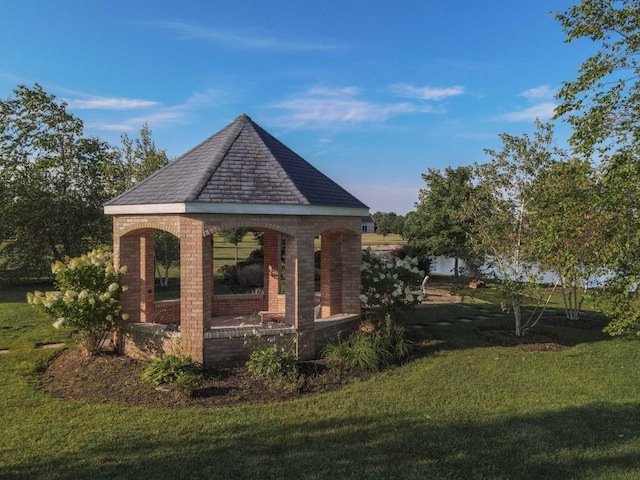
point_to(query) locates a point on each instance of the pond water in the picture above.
(445, 265)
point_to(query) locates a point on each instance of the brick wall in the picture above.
(167, 311)
(148, 341)
(236, 350)
(247, 304)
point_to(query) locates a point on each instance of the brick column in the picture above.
(351, 273)
(300, 287)
(271, 269)
(147, 276)
(331, 274)
(135, 250)
(196, 285)
(127, 252)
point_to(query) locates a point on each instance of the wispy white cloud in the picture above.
(237, 39)
(541, 111)
(165, 115)
(319, 107)
(543, 91)
(109, 103)
(426, 93)
(334, 92)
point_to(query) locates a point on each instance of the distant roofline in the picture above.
(234, 208)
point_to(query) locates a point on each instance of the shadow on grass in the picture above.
(461, 325)
(587, 441)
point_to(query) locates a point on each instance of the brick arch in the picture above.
(255, 223)
(339, 231)
(170, 224)
(345, 227)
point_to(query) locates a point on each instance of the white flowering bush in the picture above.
(86, 299)
(391, 285)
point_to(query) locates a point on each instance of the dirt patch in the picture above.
(436, 296)
(112, 378)
(531, 342)
(587, 321)
(49, 345)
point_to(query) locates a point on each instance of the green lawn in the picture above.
(377, 239)
(463, 409)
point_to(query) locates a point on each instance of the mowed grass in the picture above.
(462, 409)
(377, 239)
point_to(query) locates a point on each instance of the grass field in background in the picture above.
(463, 408)
(377, 239)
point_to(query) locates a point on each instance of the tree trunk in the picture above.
(166, 277)
(517, 313)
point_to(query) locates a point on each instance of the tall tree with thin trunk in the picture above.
(569, 228)
(234, 236)
(501, 209)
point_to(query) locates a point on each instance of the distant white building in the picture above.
(368, 226)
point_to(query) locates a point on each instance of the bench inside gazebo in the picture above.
(241, 177)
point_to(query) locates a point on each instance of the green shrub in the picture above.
(390, 286)
(86, 299)
(373, 347)
(171, 369)
(186, 383)
(273, 362)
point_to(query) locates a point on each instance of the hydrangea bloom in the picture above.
(87, 297)
(390, 285)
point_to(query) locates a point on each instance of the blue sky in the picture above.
(372, 93)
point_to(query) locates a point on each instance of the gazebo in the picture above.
(239, 177)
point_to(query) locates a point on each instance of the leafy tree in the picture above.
(602, 105)
(620, 299)
(140, 157)
(438, 226)
(384, 222)
(397, 225)
(167, 254)
(602, 102)
(569, 228)
(234, 236)
(501, 211)
(54, 182)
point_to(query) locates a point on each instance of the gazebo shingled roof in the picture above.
(242, 164)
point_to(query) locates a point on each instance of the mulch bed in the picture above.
(117, 379)
(531, 342)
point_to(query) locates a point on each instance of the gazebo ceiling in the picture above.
(241, 169)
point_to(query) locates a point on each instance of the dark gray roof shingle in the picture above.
(242, 163)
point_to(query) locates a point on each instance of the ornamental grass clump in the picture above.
(390, 286)
(86, 299)
(273, 362)
(179, 371)
(375, 346)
